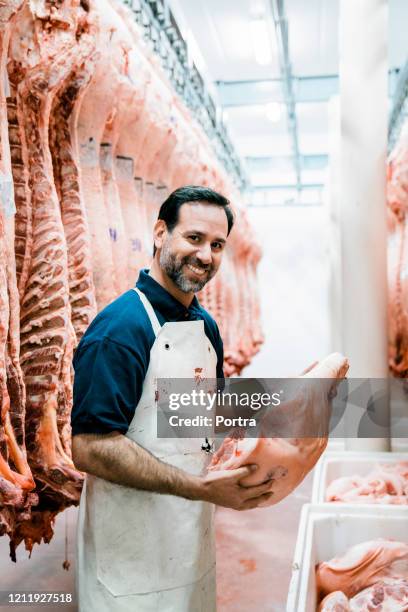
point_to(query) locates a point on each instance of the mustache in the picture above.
(195, 262)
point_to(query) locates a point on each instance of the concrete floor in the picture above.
(254, 556)
(44, 571)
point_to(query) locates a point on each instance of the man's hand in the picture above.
(118, 459)
(223, 488)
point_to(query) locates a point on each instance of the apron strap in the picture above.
(150, 311)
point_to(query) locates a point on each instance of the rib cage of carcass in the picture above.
(92, 140)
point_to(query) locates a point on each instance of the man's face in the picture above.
(191, 254)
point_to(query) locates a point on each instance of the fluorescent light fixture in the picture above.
(260, 41)
(273, 112)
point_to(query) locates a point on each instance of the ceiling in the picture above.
(219, 39)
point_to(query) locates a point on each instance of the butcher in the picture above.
(145, 527)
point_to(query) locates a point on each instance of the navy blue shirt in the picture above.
(113, 356)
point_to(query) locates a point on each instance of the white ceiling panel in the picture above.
(274, 176)
(312, 117)
(313, 128)
(254, 135)
(262, 146)
(313, 36)
(398, 33)
(253, 120)
(313, 143)
(222, 31)
(314, 177)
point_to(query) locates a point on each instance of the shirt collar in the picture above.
(162, 300)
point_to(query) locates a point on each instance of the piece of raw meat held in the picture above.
(286, 460)
(362, 566)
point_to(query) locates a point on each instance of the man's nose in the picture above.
(204, 254)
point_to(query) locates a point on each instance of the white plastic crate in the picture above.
(334, 465)
(328, 530)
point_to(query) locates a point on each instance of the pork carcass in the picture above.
(113, 48)
(362, 566)
(287, 460)
(397, 200)
(154, 148)
(16, 480)
(114, 213)
(386, 483)
(130, 188)
(13, 149)
(152, 130)
(64, 150)
(39, 64)
(255, 257)
(22, 192)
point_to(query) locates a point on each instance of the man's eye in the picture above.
(194, 238)
(217, 245)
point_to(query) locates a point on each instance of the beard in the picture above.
(173, 266)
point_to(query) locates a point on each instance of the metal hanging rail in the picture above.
(161, 32)
(282, 35)
(399, 111)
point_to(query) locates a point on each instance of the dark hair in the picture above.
(169, 210)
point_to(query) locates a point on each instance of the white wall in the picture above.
(293, 280)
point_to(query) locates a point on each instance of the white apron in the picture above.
(140, 551)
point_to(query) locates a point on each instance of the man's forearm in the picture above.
(118, 459)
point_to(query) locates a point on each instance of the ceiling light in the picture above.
(260, 41)
(273, 112)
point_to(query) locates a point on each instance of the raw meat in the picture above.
(16, 481)
(115, 218)
(362, 566)
(47, 336)
(286, 460)
(387, 483)
(133, 218)
(397, 197)
(335, 602)
(113, 47)
(383, 596)
(64, 152)
(22, 191)
(130, 189)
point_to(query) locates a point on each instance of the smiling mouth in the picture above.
(198, 271)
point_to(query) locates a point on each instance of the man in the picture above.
(145, 533)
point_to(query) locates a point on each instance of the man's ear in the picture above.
(159, 233)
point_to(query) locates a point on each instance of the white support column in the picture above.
(334, 223)
(363, 108)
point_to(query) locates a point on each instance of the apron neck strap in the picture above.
(150, 311)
